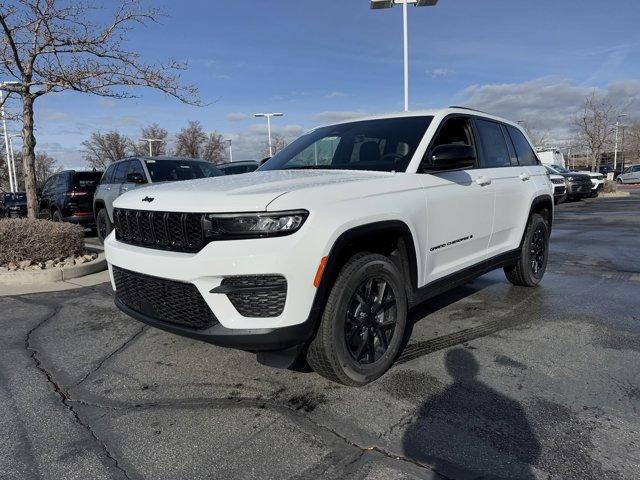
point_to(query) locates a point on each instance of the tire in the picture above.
(56, 216)
(103, 225)
(349, 346)
(535, 248)
(618, 181)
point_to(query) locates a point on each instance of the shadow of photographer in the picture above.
(469, 430)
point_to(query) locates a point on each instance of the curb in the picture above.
(55, 274)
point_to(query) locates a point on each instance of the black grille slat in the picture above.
(180, 232)
(257, 295)
(166, 300)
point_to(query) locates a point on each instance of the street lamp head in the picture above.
(259, 115)
(378, 4)
(426, 3)
(277, 114)
(623, 115)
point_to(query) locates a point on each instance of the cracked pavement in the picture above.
(496, 382)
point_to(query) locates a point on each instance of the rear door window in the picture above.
(108, 175)
(493, 145)
(120, 174)
(526, 155)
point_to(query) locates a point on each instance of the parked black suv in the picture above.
(578, 184)
(68, 197)
(13, 205)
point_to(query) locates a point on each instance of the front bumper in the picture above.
(579, 189)
(256, 339)
(286, 256)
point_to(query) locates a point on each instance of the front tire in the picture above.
(363, 323)
(103, 225)
(534, 253)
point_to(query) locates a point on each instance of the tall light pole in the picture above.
(6, 142)
(378, 4)
(615, 150)
(151, 140)
(230, 150)
(269, 115)
(13, 161)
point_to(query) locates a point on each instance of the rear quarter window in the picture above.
(526, 155)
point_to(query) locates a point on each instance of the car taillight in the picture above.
(76, 194)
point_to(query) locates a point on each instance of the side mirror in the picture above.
(450, 156)
(135, 177)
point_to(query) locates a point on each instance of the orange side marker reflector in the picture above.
(319, 272)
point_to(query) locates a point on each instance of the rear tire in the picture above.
(534, 253)
(363, 324)
(103, 224)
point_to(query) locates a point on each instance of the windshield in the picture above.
(86, 179)
(383, 145)
(15, 197)
(175, 170)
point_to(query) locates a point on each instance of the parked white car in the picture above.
(322, 251)
(630, 174)
(559, 188)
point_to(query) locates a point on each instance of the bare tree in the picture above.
(155, 132)
(630, 146)
(278, 142)
(45, 166)
(103, 148)
(214, 149)
(594, 126)
(190, 140)
(54, 45)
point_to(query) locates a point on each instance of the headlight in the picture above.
(225, 226)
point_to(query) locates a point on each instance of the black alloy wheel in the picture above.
(371, 320)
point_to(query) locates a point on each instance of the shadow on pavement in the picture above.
(470, 430)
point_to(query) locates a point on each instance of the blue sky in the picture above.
(322, 60)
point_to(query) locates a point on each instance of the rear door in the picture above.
(459, 207)
(511, 181)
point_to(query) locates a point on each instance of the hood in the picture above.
(236, 193)
(577, 175)
(591, 174)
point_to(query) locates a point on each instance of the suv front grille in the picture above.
(179, 232)
(256, 295)
(167, 300)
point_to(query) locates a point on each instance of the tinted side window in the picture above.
(526, 155)
(120, 174)
(494, 148)
(48, 185)
(61, 182)
(136, 167)
(108, 175)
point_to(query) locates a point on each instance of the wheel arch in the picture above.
(543, 205)
(392, 238)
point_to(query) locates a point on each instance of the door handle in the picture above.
(483, 181)
(524, 177)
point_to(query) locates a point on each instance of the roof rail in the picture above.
(467, 108)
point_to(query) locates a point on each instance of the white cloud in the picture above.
(237, 116)
(548, 103)
(335, 95)
(337, 116)
(440, 72)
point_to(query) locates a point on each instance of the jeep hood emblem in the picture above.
(148, 199)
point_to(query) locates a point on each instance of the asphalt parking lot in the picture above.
(497, 382)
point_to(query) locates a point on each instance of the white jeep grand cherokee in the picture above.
(322, 251)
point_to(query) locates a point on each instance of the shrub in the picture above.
(609, 187)
(38, 240)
